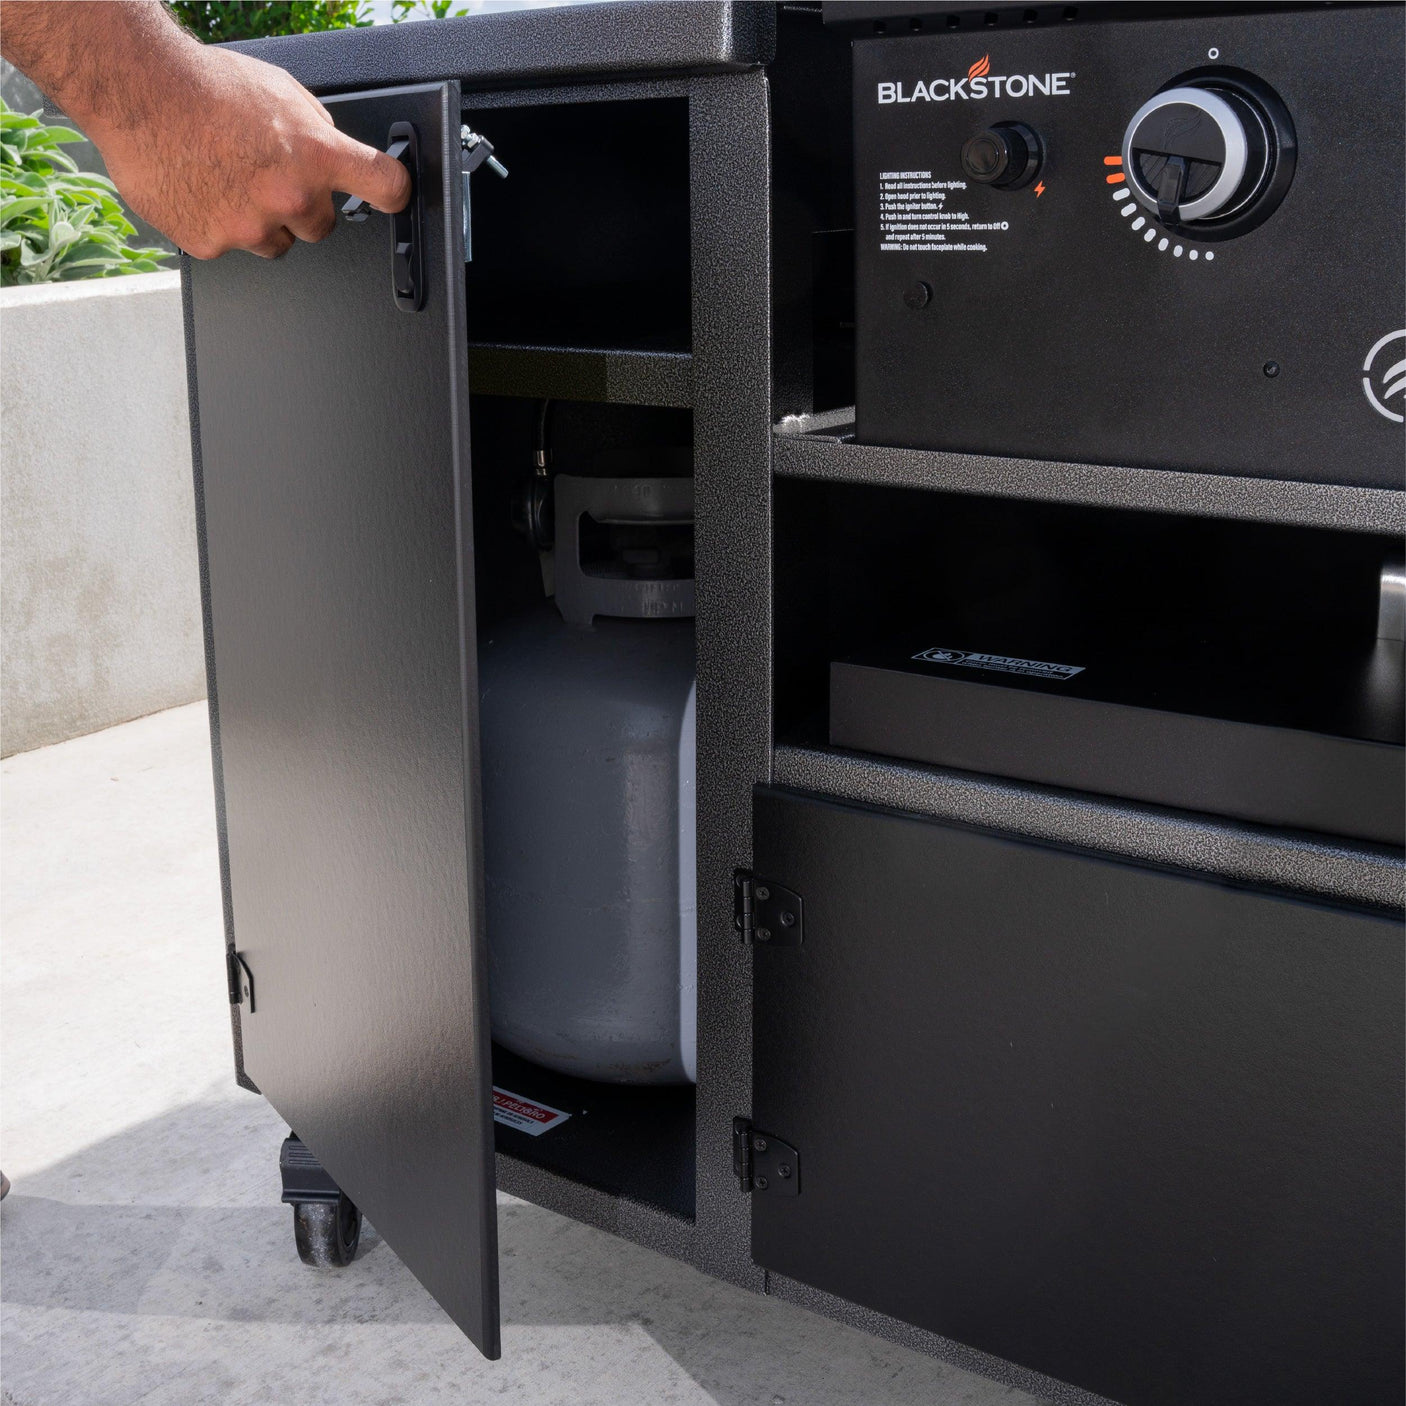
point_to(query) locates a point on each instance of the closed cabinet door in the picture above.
(1134, 1129)
(333, 485)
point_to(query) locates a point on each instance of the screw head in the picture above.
(759, 1144)
(763, 892)
(784, 1171)
(918, 296)
(763, 934)
(760, 1183)
(788, 919)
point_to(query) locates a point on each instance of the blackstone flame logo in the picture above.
(1385, 377)
(979, 83)
(1181, 125)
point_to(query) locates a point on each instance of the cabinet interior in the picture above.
(858, 566)
(580, 274)
(631, 1140)
(586, 243)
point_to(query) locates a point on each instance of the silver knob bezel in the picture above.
(1237, 152)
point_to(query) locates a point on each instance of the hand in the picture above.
(242, 156)
(218, 150)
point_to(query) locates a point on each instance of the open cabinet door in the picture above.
(333, 481)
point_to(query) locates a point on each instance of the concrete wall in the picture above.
(99, 585)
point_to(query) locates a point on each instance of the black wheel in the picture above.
(327, 1232)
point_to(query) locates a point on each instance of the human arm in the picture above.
(216, 149)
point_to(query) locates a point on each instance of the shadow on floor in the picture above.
(191, 1228)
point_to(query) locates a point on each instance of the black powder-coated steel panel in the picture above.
(212, 693)
(730, 182)
(519, 47)
(335, 459)
(1380, 510)
(1373, 876)
(1081, 335)
(1137, 1130)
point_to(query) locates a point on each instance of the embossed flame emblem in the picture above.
(1385, 379)
(980, 68)
(1181, 124)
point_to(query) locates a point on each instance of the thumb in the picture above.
(361, 170)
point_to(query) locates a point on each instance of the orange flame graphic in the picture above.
(980, 68)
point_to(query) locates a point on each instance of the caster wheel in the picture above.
(327, 1232)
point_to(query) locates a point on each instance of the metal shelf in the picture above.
(1321, 867)
(661, 378)
(803, 447)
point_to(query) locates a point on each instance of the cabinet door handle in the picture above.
(407, 262)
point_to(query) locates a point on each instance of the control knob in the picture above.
(1211, 155)
(1006, 156)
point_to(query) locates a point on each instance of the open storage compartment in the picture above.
(1221, 666)
(586, 739)
(586, 244)
(812, 218)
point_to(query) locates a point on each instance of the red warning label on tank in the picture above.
(523, 1114)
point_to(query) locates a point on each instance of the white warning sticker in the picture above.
(915, 216)
(1001, 664)
(514, 1111)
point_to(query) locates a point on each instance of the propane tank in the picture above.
(587, 735)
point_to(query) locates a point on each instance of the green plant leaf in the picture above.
(21, 205)
(59, 223)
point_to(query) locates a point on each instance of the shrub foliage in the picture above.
(57, 222)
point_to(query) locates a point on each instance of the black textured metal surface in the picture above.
(1136, 1130)
(1097, 485)
(553, 44)
(1296, 863)
(637, 1221)
(729, 152)
(570, 373)
(574, 94)
(334, 453)
(1054, 326)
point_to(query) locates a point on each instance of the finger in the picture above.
(321, 111)
(362, 170)
(276, 245)
(316, 222)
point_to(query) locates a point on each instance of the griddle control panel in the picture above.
(1168, 243)
(1211, 155)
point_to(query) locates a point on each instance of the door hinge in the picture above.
(764, 911)
(764, 1163)
(241, 979)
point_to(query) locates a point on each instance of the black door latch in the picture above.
(407, 244)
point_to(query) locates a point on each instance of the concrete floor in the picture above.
(146, 1255)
